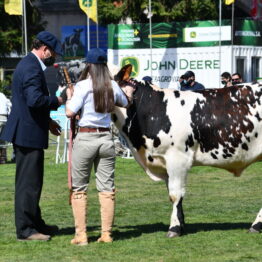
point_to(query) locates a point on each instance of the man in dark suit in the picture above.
(27, 128)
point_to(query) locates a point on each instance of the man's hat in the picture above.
(188, 74)
(147, 78)
(96, 56)
(51, 41)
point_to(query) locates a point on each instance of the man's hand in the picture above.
(63, 95)
(54, 128)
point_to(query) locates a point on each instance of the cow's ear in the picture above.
(124, 73)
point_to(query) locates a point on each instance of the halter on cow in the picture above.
(169, 131)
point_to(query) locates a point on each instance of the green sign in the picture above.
(184, 34)
(248, 32)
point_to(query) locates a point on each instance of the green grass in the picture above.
(218, 209)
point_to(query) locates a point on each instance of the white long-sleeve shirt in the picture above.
(83, 99)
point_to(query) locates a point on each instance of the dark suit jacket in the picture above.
(28, 123)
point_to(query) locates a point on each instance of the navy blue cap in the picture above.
(147, 78)
(51, 41)
(96, 56)
(188, 74)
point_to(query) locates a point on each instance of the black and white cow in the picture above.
(71, 42)
(170, 131)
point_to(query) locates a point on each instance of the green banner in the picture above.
(184, 34)
(248, 32)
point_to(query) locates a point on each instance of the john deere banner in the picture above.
(168, 64)
(179, 47)
(168, 35)
(188, 34)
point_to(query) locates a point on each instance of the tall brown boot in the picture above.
(107, 210)
(79, 202)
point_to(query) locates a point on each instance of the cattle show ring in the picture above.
(187, 162)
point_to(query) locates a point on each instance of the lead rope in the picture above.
(130, 123)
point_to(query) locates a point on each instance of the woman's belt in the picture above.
(93, 129)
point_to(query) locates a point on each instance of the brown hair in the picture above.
(102, 87)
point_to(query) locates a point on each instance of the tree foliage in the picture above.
(111, 11)
(115, 11)
(11, 28)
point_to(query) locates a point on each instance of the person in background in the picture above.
(236, 79)
(5, 106)
(226, 79)
(28, 128)
(95, 95)
(188, 82)
(147, 79)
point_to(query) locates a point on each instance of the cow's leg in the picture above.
(257, 225)
(74, 49)
(176, 188)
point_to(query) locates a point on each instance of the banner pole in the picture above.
(150, 32)
(25, 26)
(232, 37)
(97, 29)
(88, 34)
(22, 28)
(220, 18)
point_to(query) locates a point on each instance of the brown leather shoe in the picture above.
(36, 236)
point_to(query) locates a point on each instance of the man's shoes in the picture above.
(36, 236)
(49, 230)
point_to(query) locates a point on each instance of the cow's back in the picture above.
(219, 127)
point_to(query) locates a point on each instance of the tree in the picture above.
(115, 11)
(11, 28)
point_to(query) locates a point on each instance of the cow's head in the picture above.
(127, 84)
(123, 77)
(78, 30)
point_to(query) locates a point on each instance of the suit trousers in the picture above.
(28, 188)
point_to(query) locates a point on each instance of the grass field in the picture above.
(218, 208)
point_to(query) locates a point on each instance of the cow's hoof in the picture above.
(253, 230)
(171, 234)
(174, 232)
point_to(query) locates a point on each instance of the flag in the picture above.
(13, 7)
(254, 9)
(90, 8)
(229, 2)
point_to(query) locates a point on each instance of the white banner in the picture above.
(169, 64)
(206, 34)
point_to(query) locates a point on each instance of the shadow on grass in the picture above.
(71, 230)
(127, 232)
(138, 230)
(197, 227)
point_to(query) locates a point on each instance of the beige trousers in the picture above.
(93, 149)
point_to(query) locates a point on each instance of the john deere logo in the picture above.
(87, 3)
(193, 34)
(134, 62)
